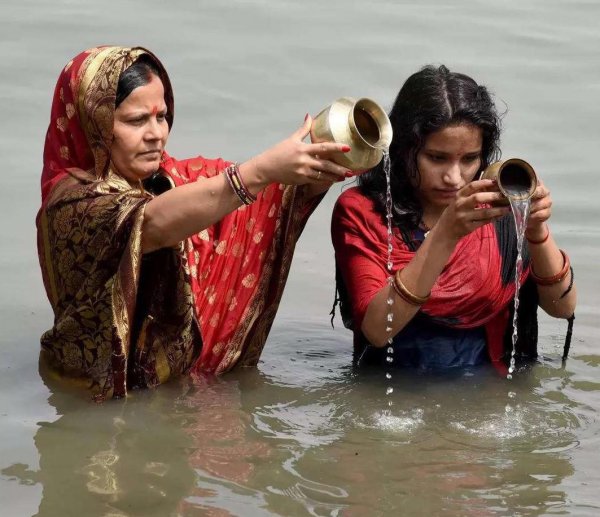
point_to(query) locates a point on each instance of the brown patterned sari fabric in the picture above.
(89, 244)
(123, 319)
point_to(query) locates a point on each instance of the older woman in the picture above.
(154, 265)
(454, 250)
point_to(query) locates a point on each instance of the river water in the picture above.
(303, 434)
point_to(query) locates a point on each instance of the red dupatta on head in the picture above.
(469, 293)
(81, 119)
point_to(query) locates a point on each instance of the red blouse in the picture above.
(469, 292)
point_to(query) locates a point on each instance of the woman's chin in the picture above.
(135, 175)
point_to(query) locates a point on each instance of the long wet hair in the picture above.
(429, 100)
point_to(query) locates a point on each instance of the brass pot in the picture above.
(516, 178)
(362, 124)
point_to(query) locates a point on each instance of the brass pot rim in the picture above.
(500, 166)
(381, 119)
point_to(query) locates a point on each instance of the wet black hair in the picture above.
(138, 74)
(429, 100)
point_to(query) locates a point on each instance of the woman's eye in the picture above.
(436, 158)
(161, 116)
(136, 121)
(471, 159)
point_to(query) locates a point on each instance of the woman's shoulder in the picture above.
(355, 213)
(353, 200)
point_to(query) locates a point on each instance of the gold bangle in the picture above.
(405, 294)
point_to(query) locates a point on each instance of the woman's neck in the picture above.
(430, 216)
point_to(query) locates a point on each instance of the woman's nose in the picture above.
(153, 130)
(453, 174)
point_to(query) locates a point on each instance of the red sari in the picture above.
(238, 267)
(469, 293)
(229, 278)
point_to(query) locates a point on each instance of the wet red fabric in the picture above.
(235, 263)
(469, 293)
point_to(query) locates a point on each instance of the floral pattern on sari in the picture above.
(94, 232)
(125, 320)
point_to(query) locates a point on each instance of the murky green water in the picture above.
(302, 434)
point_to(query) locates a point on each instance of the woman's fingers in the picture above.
(323, 178)
(488, 214)
(477, 186)
(304, 130)
(486, 198)
(323, 148)
(329, 167)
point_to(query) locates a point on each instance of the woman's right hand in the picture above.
(472, 208)
(294, 162)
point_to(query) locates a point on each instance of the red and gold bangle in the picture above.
(541, 241)
(405, 294)
(232, 173)
(555, 279)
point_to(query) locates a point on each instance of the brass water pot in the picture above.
(516, 178)
(361, 124)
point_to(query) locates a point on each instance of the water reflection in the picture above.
(300, 439)
(471, 443)
(125, 458)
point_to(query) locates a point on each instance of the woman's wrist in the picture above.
(537, 235)
(252, 173)
(442, 239)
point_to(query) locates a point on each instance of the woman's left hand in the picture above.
(539, 213)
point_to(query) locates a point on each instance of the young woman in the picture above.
(155, 265)
(454, 247)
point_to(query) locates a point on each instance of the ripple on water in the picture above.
(511, 424)
(404, 423)
(523, 427)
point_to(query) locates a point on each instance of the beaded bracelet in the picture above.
(541, 241)
(555, 279)
(232, 173)
(405, 294)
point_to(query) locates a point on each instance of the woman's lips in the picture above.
(446, 193)
(151, 154)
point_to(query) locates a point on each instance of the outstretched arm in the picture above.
(188, 209)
